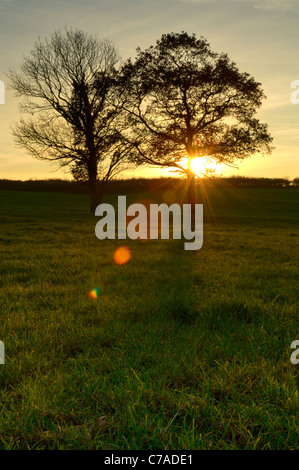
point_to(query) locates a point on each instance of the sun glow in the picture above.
(204, 165)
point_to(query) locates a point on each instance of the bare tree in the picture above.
(68, 84)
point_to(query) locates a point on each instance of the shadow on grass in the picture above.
(223, 314)
(174, 296)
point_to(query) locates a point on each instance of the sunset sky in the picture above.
(261, 36)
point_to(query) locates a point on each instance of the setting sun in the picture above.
(202, 165)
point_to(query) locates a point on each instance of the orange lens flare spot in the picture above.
(122, 255)
(94, 293)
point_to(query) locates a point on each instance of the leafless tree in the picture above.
(68, 87)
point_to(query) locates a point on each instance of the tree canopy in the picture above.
(186, 101)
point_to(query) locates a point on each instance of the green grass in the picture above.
(181, 350)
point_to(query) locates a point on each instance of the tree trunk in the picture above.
(101, 189)
(191, 190)
(93, 187)
(94, 200)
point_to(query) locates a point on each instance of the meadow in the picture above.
(180, 350)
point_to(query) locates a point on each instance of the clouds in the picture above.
(261, 36)
(282, 5)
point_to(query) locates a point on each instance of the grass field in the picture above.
(181, 350)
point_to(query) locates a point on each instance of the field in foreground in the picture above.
(181, 350)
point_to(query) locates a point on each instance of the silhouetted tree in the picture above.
(68, 82)
(183, 100)
(115, 161)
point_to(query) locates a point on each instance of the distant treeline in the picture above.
(249, 182)
(145, 184)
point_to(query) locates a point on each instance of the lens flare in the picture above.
(94, 293)
(202, 165)
(122, 255)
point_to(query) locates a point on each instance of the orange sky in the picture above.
(262, 37)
